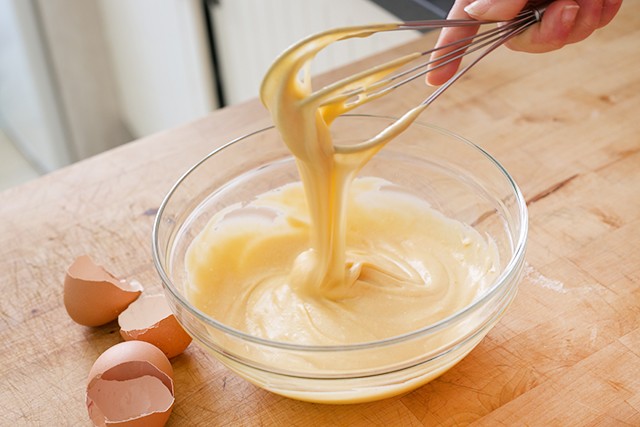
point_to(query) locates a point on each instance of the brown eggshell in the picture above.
(130, 385)
(148, 402)
(150, 319)
(93, 296)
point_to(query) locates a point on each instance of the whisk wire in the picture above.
(507, 32)
(483, 42)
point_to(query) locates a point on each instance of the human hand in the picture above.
(563, 22)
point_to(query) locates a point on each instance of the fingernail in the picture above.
(478, 8)
(568, 14)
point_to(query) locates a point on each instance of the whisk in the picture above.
(488, 40)
(378, 81)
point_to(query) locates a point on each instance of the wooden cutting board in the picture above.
(567, 127)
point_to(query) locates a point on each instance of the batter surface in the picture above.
(330, 259)
(407, 266)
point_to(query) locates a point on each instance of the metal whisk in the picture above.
(352, 91)
(488, 40)
(287, 84)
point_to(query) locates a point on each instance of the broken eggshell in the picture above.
(93, 296)
(130, 385)
(150, 319)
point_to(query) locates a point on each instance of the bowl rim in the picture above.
(516, 260)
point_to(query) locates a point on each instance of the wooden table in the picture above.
(567, 127)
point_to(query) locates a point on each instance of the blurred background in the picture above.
(78, 77)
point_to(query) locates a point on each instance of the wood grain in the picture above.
(565, 125)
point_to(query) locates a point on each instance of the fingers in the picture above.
(593, 14)
(609, 10)
(564, 22)
(556, 29)
(494, 10)
(442, 73)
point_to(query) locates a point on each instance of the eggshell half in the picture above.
(150, 319)
(93, 296)
(130, 385)
(143, 401)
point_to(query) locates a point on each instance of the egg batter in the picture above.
(333, 259)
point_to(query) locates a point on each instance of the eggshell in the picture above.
(130, 385)
(93, 296)
(150, 319)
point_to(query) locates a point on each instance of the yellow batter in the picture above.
(333, 260)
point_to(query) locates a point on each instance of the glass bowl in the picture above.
(455, 176)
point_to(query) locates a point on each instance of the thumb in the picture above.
(495, 10)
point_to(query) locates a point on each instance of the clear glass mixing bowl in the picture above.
(457, 177)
